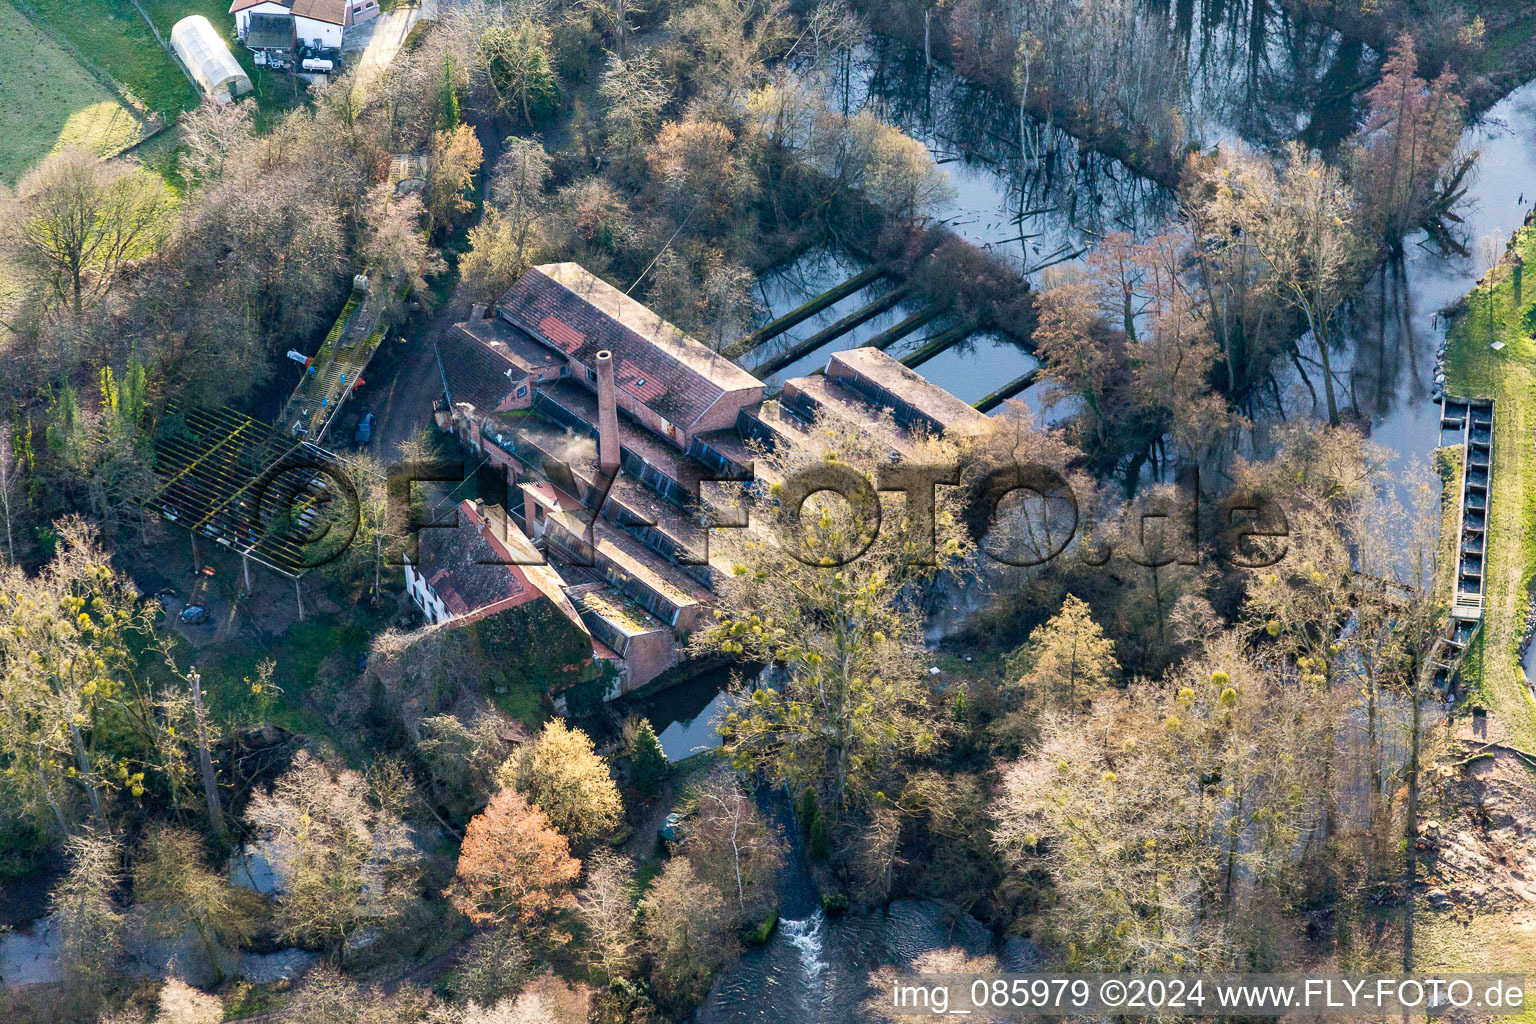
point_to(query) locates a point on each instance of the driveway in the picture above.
(374, 44)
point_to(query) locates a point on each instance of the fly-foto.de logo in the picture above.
(1025, 514)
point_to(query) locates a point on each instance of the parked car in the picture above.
(364, 430)
(194, 615)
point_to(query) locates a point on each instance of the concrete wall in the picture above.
(647, 656)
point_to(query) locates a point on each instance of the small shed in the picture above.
(208, 58)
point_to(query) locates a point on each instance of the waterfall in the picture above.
(807, 939)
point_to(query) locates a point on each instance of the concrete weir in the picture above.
(862, 315)
(777, 327)
(938, 343)
(1007, 391)
(1473, 419)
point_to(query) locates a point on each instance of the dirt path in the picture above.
(404, 379)
(402, 385)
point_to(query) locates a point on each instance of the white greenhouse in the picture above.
(208, 58)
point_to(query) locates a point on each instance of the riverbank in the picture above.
(1506, 313)
(1504, 58)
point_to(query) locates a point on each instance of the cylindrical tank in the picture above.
(318, 64)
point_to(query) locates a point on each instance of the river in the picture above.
(815, 969)
(1390, 335)
(1252, 72)
(1034, 211)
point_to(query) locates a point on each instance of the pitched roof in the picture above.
(483, 360)
(656, 363)
(240, 5)
(466, 565)
(332, 11)
(512, 344)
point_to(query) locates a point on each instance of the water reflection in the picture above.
(1387, 352)
(1035, 198)
(685, 716)
(977, 366)
(815, 969)
(970, 370)
(1257, 72)
(816, 271)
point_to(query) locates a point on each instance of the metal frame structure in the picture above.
(247, 486)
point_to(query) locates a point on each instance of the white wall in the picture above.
(429, 603)
(309, 30)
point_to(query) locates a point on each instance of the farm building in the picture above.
(318, 24)
(208, 59)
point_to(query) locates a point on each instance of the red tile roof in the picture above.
(485, 565)
(657, 364)
(331, 11)
(483, 361)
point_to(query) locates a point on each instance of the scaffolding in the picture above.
(248, 487)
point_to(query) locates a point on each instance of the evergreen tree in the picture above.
(448, 97)
(647, 761)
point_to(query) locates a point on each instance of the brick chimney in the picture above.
(607, 415)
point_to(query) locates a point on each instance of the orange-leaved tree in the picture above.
(514, 866)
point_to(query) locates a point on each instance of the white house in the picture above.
(321, 24)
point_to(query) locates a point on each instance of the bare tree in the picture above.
(615, 15)
(77, 221)
(90, 924)
(8, 470)
(733, 848)
(205, 755)
(343, 862)
(607, 908)
(1299, 222)
(212, 133)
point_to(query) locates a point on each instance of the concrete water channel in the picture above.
(1471, 421)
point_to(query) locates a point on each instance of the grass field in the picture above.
(273, 92)
(1500, 939)
(1491, 669)
(112, 35)
(49, 100)
(1488, 943)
